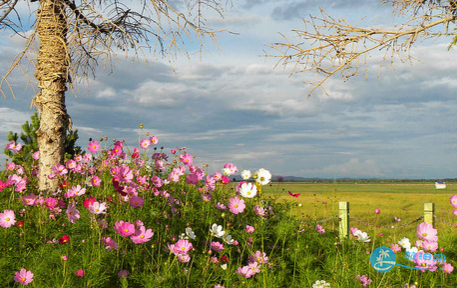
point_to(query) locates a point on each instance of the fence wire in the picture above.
(386, 227)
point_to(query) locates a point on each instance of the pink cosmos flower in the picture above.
(377, 210)
(183, 258)
(364, 281)
(217, 176)
(258, 256)
(181, 247)
(24, 277)
(95, 181)
(192, 179)
(396, 248)
(244, 271)
(431, 246)
(187, 159)
(427, 232)
(229, 169)
(111, 244)
(97, 208)
(80, 273)
(123, 273)
(29, 199)
(142, 235)
(7, 218)
(72, 213)
(10, 166)
(255, 267)
(136, 201)
(260, 211)
(13, 146)
(453, 200)
(236, 205)
(447, 268)
(320, 229)
(117, 150)
(59, 169)
(157, 181)
(145, 143)
(36, 155)
(124, 228)
(154, 140)
(249, 229)
(93, 146)
(216, 246)
(221, 206)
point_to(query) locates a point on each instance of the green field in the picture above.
(319, 201)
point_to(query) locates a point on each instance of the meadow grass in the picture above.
(274, 241)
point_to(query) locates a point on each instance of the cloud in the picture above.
(365, 168)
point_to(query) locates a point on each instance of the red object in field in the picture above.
(294, 194)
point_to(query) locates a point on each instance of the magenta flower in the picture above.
(136, 201)
(426, 231)
(13, 146)
(24, 277)
(186, 159)
(29, 199)
(448, 268)
(236, 205)
(142, 235)
(377, 210)
(93, 146)
(192, 179)
(123, 273)
(249, 229)
(124, 228)
(364, 281)
(36, 155)
(431, 246)
(80, 273)
(97, 208)
(453, 200)
(10, 166)
(320, 229)
(181, 247)
(183, 258)
(154, 139)
(145, 143)
(72, 213)
(244, 271)
(95, 181)
(7, 218)
(396, 248)
(217, 246)
(259, 257)
(221, 206)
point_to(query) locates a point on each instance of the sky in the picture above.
(233, 106)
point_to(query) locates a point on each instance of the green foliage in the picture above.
(30, 144)
(298, 255)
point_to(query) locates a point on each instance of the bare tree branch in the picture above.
(333, 46)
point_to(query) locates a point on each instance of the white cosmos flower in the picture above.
(404, 242)
(216, 230)
(362, 236)
(246, 174)
(228, 239)
(190, 233)
(248, 190)
(263, 176)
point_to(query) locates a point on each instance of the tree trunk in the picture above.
(52, 73)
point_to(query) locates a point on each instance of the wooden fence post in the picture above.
(429, 211)
(344, 220)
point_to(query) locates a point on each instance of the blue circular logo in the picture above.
(383, 259)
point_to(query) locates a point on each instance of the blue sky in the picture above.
(233, 106)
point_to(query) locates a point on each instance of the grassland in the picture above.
(319, 201)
